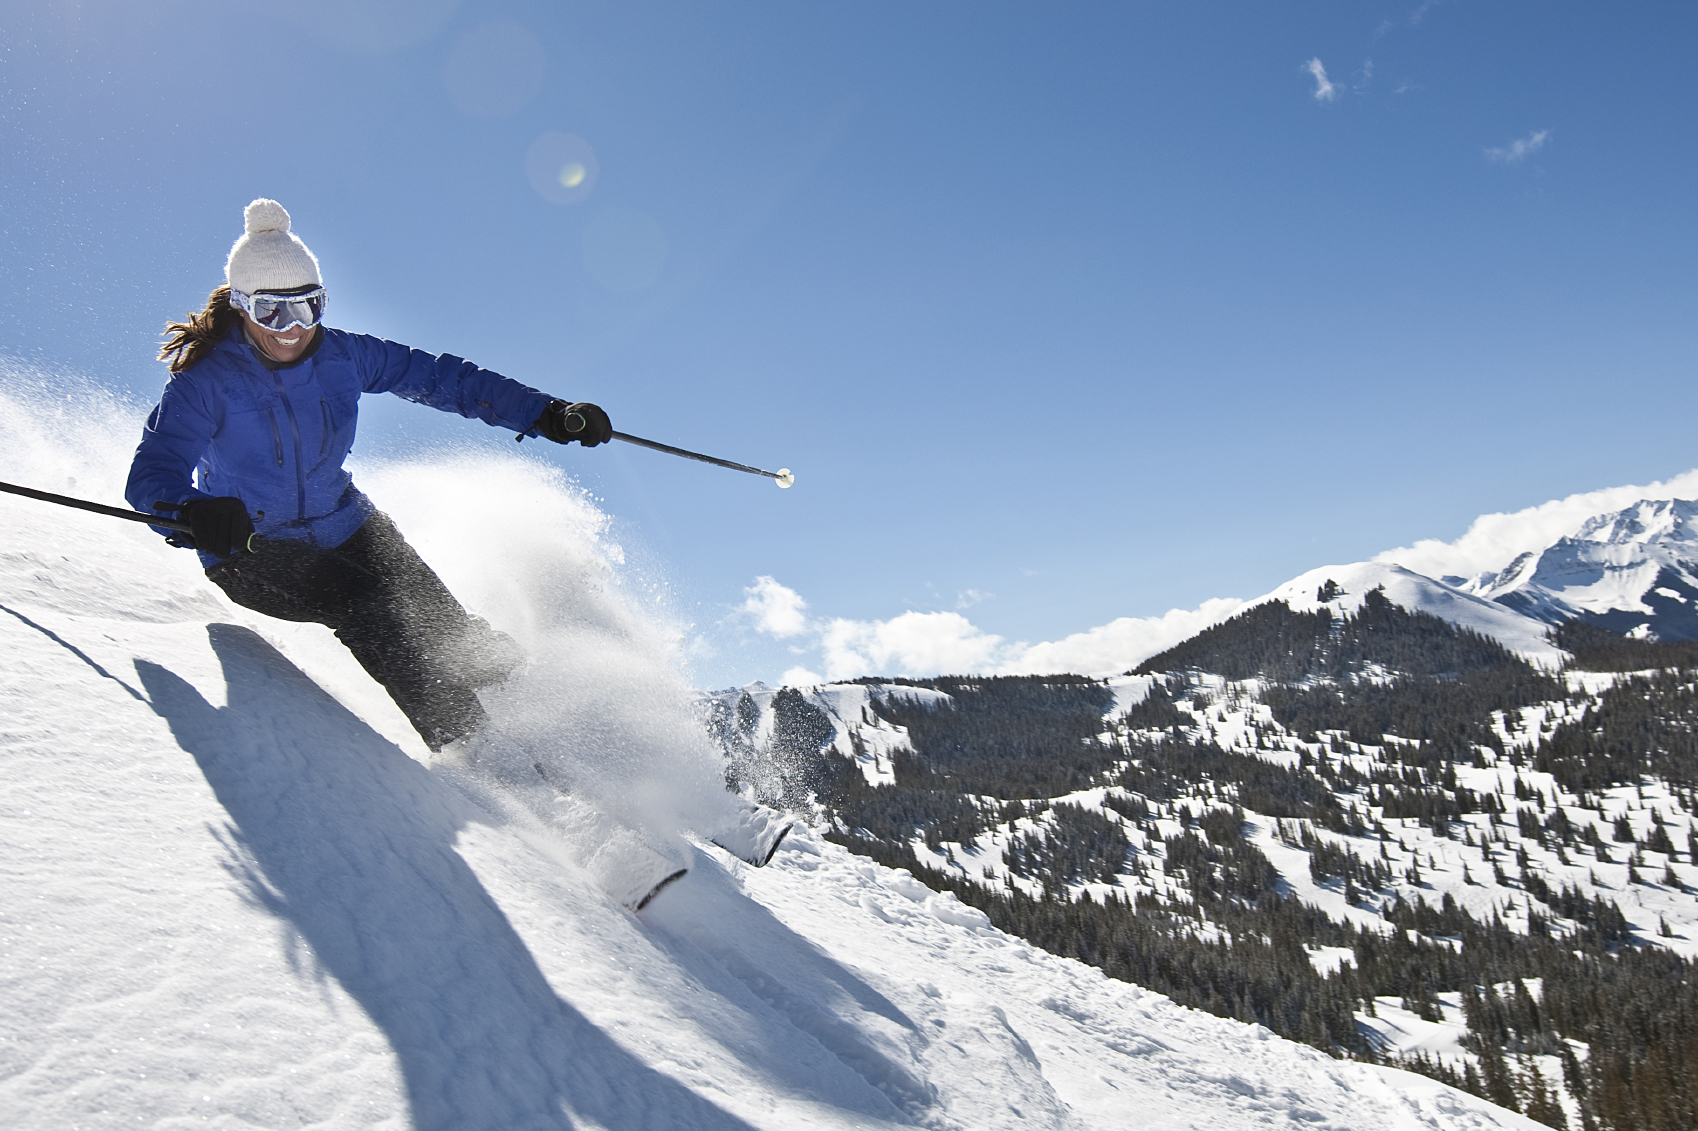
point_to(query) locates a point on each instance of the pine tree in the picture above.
(1539, 1103)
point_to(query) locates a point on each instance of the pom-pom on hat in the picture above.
(269, 257)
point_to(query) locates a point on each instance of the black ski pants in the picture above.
(393, 613)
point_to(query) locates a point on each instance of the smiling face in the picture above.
(282, 348)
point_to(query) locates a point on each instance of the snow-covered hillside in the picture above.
(238, 895)
(1420, 594)
(1656, 892)
(1457, 833)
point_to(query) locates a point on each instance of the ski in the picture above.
(754, 834)
(619, 858)
(658, 888)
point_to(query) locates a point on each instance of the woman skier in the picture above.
(250, 435)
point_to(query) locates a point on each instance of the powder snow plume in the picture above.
(603, 695)
(602, 700)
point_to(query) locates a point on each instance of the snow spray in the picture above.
(602, 702)
(64, 434)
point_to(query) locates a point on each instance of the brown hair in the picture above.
(188, 342)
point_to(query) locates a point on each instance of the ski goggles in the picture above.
(278, 313)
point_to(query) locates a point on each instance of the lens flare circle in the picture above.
(561, 167)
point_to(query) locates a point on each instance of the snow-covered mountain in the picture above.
(1632, 571)
(1470, 801)
(237, 894)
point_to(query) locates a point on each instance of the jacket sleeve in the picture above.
(446, 382)
(175, 437)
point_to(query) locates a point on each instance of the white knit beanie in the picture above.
(268, 257)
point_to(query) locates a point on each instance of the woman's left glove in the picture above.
(582, 421)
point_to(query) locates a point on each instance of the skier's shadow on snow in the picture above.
(769, 971)
(354, 847)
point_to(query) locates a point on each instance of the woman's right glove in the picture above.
(583, 422)
(220, 527)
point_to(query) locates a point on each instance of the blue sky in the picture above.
(1061, 313)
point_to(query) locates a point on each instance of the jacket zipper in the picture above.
(295, 431)
(327, 426)
(276, 435)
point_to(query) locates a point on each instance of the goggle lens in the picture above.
(278, 313)
(282, 313)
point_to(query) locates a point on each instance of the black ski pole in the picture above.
(176, 524)
(97, 508)
(782, 476)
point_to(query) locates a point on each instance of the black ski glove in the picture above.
(219, 527)
(583, 422)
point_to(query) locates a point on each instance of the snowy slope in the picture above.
(1489, 862)
(236, 894)
(1460, 866)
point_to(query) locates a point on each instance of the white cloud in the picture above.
(1120, 644)
(1324, 90)
(800, 677)
(967, 598)
(1521, 148)
(1493, 540)
(909, 644)
(921, 644)
(777, 610)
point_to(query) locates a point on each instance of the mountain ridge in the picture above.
(1630, 571)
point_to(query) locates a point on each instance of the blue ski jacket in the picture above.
(275, 436)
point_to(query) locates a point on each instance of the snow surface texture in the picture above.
(237, 896)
